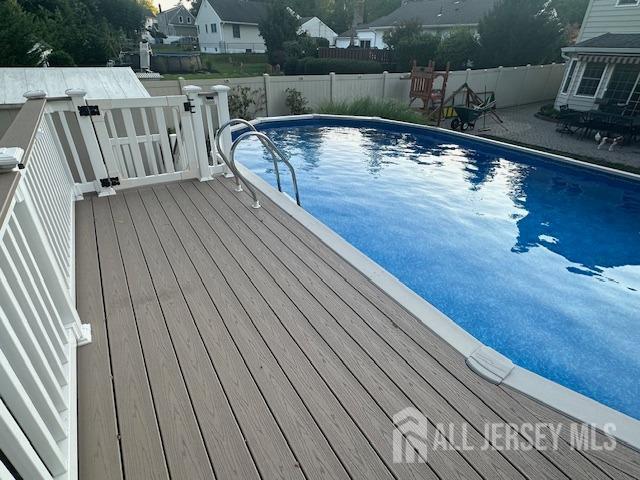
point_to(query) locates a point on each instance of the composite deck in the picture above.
(230, 342)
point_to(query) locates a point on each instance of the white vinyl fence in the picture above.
(61, 148)
(512, 85)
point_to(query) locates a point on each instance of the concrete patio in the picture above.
(521, 126)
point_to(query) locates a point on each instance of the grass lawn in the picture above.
(227, 66)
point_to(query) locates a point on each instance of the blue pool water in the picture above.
(536, 259)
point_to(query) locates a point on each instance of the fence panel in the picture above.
(510, 84)
(39, 327)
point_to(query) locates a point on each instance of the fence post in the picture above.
(498, 77)
(385, 74)
(524, 83)
(192, 92)
(267, 93)
(332, 83)
(91, 142)
(222, 114)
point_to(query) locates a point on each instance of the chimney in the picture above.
(159, 8)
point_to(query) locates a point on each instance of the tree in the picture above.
(519, 32)
(17, 39)
(277, 27)
(460, 49)
(410, 43)
(195, 6)
(570, 12)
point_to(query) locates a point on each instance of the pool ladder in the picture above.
(276, 154)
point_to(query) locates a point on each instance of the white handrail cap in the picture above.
(220, 88)
(75, 92)
(191, 89)
(35, 94)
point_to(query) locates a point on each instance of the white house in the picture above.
(230, 26)
(314, 27)
(439, 17)
(603, 67)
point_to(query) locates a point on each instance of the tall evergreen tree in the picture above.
(277, 27)
(518, 32)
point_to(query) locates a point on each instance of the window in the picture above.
(188, 19)
(206, 29)
(365, 43)
(236, 31)
(623, 80)
(627, 2)
(180, 19)
(214, 28)
(591, 79)
(572, 70)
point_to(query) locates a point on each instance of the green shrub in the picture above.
(419, 49)
(370, 107)
(245, 102)
(296, 103)
(324, 66)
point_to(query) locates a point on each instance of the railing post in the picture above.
(267, 92)
(91, 142)
(332, 83)
(385, 74)
(200, 149)
(222, 114)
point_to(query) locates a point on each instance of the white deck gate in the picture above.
(65, 148)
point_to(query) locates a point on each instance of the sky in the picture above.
(167, 4)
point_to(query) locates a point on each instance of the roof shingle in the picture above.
(241, 11)
(612, 40)
(432, 12)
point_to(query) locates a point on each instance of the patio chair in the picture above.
(568, 120)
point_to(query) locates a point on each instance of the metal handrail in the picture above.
(268, 144)
(231, 163)
(275, 152)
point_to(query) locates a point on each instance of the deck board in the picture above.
(99, 452)
(243, 347)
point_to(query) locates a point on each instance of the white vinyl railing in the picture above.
(61, 148)
(39, 326)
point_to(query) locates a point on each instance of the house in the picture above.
(434, 16)
(230, 26)
(603, 67)
(314, 27)
(176, 23)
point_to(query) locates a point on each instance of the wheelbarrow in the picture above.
(467, 117)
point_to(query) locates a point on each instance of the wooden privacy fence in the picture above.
(59, 149)
(372, 54)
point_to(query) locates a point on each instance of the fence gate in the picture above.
(143, 140)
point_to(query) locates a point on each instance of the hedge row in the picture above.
(324, 66)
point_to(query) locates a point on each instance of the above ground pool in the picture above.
(538, 259)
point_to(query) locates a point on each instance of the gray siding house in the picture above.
(603, 67)
(176, 23)
(230, 26)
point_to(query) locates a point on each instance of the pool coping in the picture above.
(480, 358)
